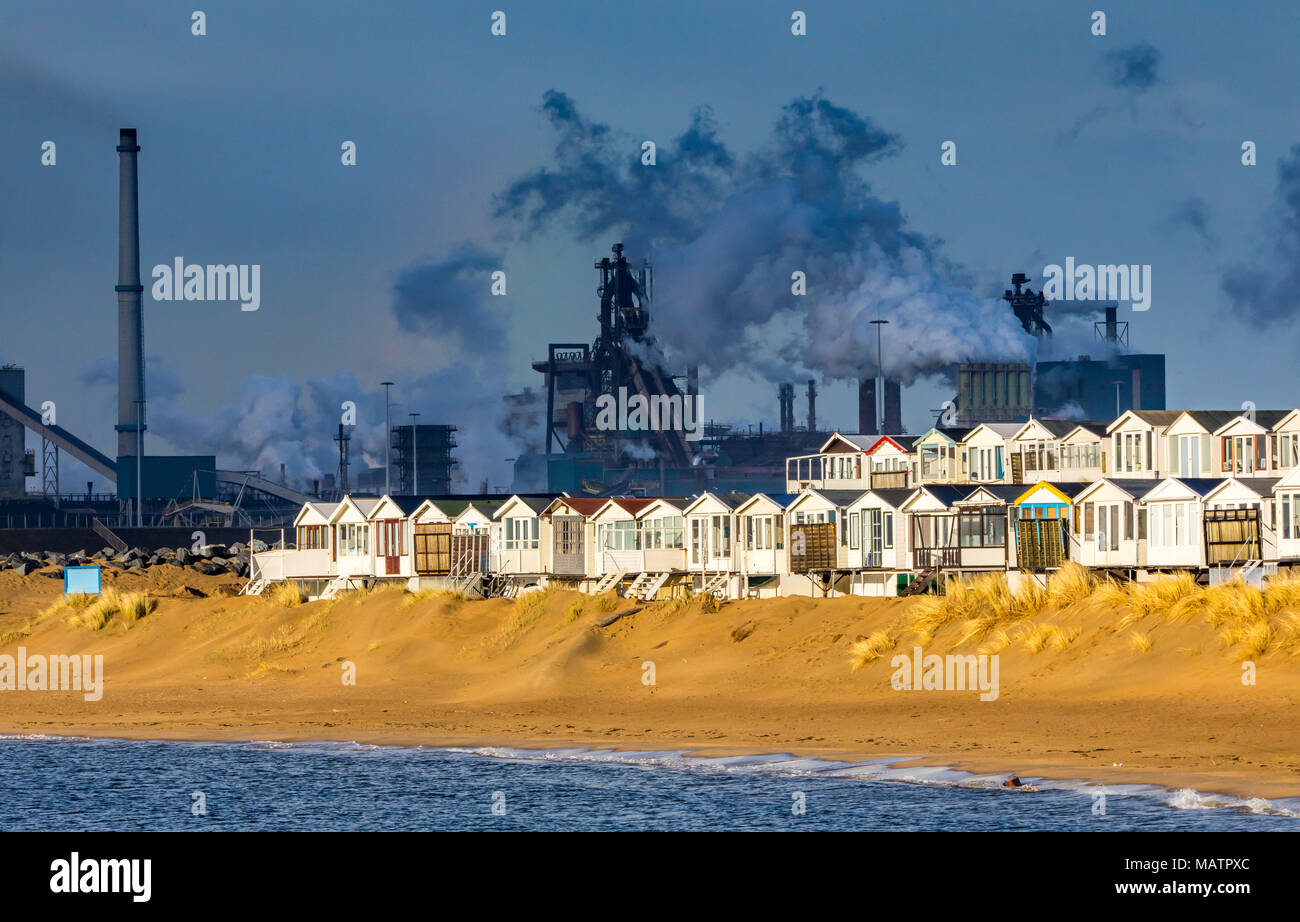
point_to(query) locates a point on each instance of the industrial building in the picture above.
(583, 456)
(1078, 388)
(422, 458)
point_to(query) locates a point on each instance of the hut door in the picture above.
(390, 537)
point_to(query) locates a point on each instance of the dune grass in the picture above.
(866, 650)
(1042, 636)
(425, 595)
(527, 610)
(95, 615)
(983, 610)
(979, 607)
(288, 594)
(129, 606)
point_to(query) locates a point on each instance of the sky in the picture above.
(521, 153)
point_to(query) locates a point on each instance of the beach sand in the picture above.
(758, 676)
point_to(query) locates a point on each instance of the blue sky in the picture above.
(1069, 144)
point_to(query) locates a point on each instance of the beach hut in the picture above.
(1083, 453)
(982, 527)
(819, 558)
(840, 462)
(1191, 450)
(618, 543)
(986, 448)
(1175, 537)
(391, 526)
(1037, 450)
(712, 558)
(931, 513)
(1240, 523)
(573, 538)
(1040, 519)
(310, 563)
(760, 528)
(892, 463)
(1286, 502)
(940, 456)
(1286, 442)
(354, 547)
(1108, 529)
(1138, 443)
(661, 534)
(878, 548)
(1245, 445)
(524, 549)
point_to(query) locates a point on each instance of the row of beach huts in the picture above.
(1213, 492)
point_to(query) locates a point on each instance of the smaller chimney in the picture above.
(1112, 325)
(812, 405)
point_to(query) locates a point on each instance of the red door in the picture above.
(392, 532)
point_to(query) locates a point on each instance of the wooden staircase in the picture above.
(922, 581)
(609, 581)
(646, 585)
(716, 586)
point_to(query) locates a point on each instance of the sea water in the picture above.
(60, 783)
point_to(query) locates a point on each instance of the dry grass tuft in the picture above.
(981, 606)
(1072, 583)
(288, 594)
(528, 609)
(1140, 642)
(1041, 636)
(868, 649)
(95, 615)
(425, 595)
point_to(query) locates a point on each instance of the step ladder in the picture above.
(716, 586)
(646, 585)
(609, 581)
(254, 586)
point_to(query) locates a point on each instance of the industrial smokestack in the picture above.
(812, 405)
(867, 405)
(870, 419)
(786, 395)
(130, 343)
(1112, 324)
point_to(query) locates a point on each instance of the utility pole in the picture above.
(388, 437)
(415, 458)
(880, 378)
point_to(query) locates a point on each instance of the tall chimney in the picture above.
(130, 346)
(867, 405)
(892, 419)
(812, 405)
(1112, 324)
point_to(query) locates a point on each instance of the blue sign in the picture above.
(81, 580)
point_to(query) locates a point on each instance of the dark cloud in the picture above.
(1267, 290)
(1134, 68)
(453, 297)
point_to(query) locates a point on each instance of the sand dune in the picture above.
(756, 676)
